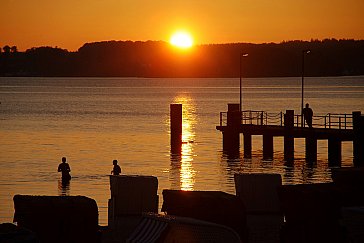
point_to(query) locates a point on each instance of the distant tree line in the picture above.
(329, 57)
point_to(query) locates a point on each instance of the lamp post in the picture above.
(304, 52)
(241, 104)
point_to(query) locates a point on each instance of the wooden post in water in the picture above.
(176, 127)
(267, 147)
(288, 137)
(334, 151)
(231, 136)
(358, 127)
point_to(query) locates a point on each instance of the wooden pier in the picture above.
(332, 127)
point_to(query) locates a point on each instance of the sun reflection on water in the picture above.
(183, 162)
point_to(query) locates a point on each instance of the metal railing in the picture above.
(341, 121)
(330, 120)
(254, 117)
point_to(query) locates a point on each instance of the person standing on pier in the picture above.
(64, 167)
(308, 114)
(116, 169)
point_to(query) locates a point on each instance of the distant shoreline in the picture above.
(157, 59)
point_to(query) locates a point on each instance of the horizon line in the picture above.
(195, 45)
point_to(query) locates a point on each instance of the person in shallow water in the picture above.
(64, 167)
(116, 169)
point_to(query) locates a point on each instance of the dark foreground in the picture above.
(263, 210)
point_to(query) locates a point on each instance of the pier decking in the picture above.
(297, 132)
(332, 127)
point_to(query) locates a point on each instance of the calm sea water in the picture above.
(92, 121)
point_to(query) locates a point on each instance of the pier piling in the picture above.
(334, 151)
(288, 137)
(231, 136)
(247, 145)
(267, 147)
(311, 148)
(358, 127)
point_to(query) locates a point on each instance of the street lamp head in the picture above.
(245, 54)
(307, 51)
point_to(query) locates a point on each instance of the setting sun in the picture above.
(181, 39)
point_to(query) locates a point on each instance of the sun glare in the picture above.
(181, 39)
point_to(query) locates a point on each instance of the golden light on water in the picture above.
(187, 173)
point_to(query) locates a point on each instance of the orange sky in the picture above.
(71, 23)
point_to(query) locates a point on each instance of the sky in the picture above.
(68, 24)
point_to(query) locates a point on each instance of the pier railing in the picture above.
(254, 117)
(330, 120)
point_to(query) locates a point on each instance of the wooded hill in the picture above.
(328, 57)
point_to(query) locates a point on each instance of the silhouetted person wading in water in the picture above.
(116, 169)
(307, 114)
(64, 167)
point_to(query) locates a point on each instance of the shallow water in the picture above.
(92, 121)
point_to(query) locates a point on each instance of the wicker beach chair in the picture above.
(165, 228)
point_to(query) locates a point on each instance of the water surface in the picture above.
(92, 121)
